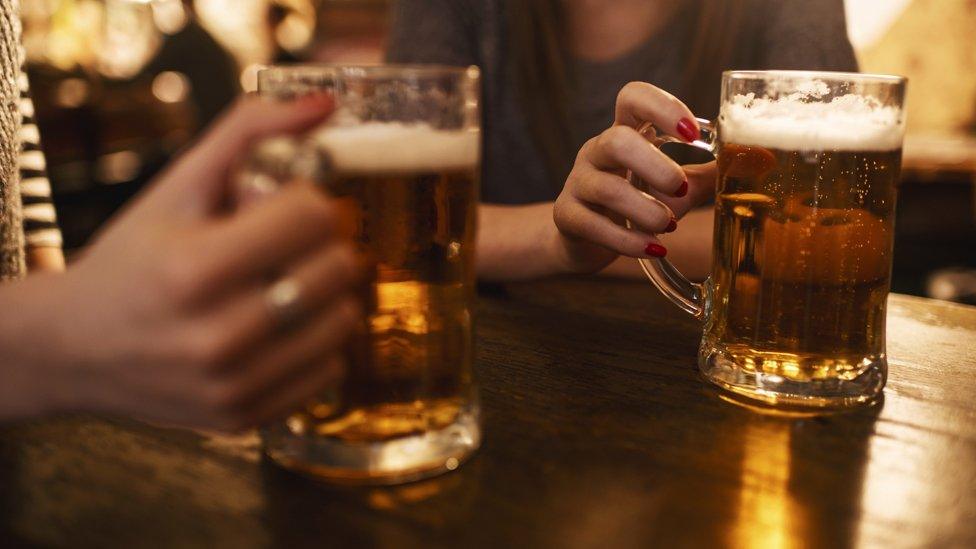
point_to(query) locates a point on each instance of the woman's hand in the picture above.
(597, 197)
(168, 315)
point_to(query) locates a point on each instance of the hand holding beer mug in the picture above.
(808, 164)
(401, 157)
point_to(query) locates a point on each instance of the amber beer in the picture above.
(400, 156)
(412, 194)
(803, 257)
(794, 309)
(804, 227)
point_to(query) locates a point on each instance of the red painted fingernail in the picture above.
(672, 226)
(688, 130)
(656, 250)
(682, 190)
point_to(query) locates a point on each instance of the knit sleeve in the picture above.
(807, 35)
(40, 220)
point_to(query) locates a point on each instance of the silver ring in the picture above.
(284, 302)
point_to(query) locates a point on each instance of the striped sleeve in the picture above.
(40, 220)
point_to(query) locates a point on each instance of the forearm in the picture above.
(516, 242)
(25, 389)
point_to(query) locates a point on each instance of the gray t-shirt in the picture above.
(777, 34)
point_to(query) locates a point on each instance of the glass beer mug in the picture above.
(808, 164)
(401, 157)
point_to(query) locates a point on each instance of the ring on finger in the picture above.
(286, 303)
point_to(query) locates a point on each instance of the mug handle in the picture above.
(266, 167)
(691, 297)
(274, 162)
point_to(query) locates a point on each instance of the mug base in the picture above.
(386, 462)
(722, 369)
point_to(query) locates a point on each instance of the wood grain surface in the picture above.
(598, 433)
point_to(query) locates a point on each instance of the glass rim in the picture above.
(823, 75)
(373, 69)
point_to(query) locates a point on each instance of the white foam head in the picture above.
(848, 123)
(394, 147)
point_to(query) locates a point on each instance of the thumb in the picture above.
(198, 182)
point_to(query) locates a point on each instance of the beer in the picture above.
(804, 221)
(414, 220)
(401, 158)
(795, 306)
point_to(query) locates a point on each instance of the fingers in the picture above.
(623, 148)
(640, 102)
(284, 375)
(278, 366)
(197, 182)
(297, 393)
(616, 194)
(316, 341)
(701, 188)
(253, 118)
(575, 219)
(245, 323)
(266, 238)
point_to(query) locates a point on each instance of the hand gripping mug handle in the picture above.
(275, 161)
(690, 296)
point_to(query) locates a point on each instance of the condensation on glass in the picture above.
(794, 309)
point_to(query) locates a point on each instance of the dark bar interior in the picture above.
(359, 273)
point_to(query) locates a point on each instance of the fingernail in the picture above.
(682, 190)
(688, 130)
(656, 250)
(672, 226)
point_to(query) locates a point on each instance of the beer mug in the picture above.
(401, 157)
(808, 165)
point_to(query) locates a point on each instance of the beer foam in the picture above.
(847, 123)
(393, 147)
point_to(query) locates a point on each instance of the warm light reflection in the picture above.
(246, 28)
(394, 497)
(72, 93)
(297, 29)
(170, 16)
(240, 26)
(129, 38)
(171, 87)
(915, 473)
(402, 308)
(116, 37)
(118, 167)
(869, 20)
(767, 515)
(249, 77)
(775, 411)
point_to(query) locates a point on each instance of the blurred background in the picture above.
(121, 85)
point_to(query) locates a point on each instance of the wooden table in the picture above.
(599, 433)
